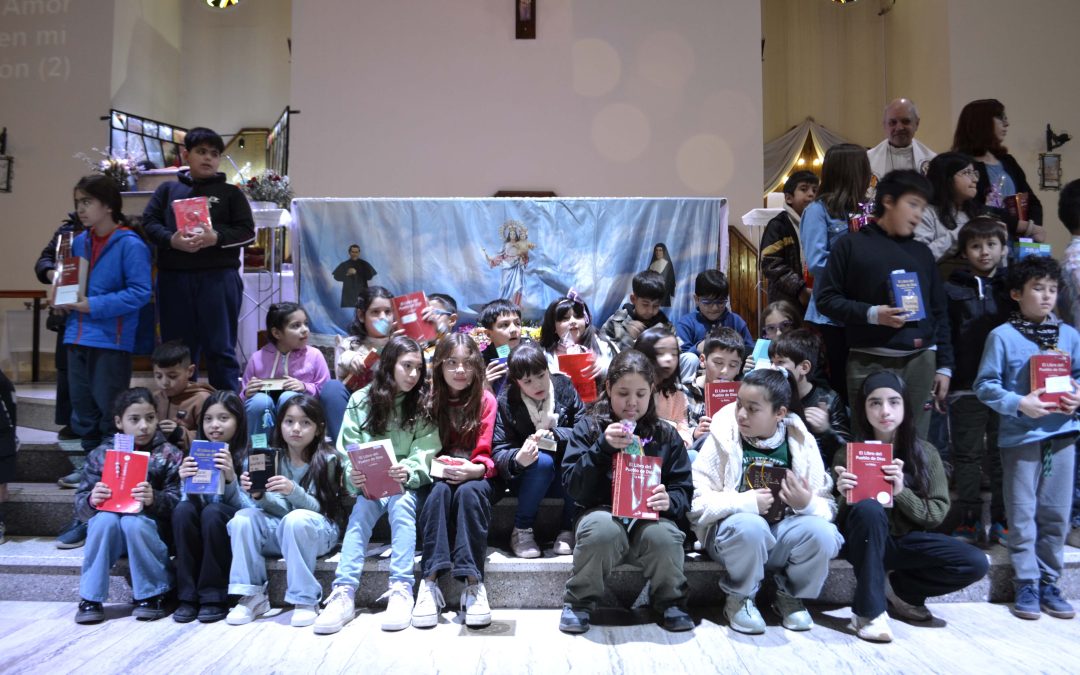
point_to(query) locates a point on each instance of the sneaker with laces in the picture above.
(475, 603)
(303, 615)
(903, 608)
(1052, 602)
(573, 621)
(72, 536)
(564, 543)
(968, 532)
(339, 609)
(89, 612)
(999, 534)
(429, 604)
(743, 615)
(872, 630)
(792, 612)
(1026, 602)
(399, 606)
(71, 480)
(248, 609)
(523, 543)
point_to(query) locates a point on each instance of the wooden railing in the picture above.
(746, 296)
(35, 353)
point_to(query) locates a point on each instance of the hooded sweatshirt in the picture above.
(307, 365)
(189, 402)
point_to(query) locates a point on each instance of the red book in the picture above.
(1017, 205)
(577, 368)
(1054, 372)
(192, 215)
(122, 472)
(360, 380)
(760, 475)
(865, 461)
(408, 310)
(633, 480)
(374, 460)
(69, 284)
(440, 463)
(719, 394)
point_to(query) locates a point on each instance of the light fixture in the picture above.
(222, 4)
(241, 143)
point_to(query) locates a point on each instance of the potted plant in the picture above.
(270, 188)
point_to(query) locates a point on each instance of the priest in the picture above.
(899, 150)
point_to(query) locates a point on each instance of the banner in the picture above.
(531, 251)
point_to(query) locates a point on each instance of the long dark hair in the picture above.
(780, 388)
(975, 129)
(238, 444)
(318, 480)
(467, 428)
(383, 389)
(106, 191)
(646, 344)
(845, 177)
(941, 174)
(278, 317)
(561, 309)
(627, 362)
(363, 301)
(906, 445)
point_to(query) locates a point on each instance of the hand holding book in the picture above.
(894, 473)
(100, 494)
(659, 501)
(223, 463)
(143, 492)
(795, 491)
(1034, 407)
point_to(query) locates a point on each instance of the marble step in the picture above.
(42, 457)
(37, 412)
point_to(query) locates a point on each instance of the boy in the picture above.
(178, 400)
(199, 287)
(797, 352)
(1036, 437)
(781, 255)
(723, 352)
(978, 303)
(501, 320)
(854, 291)
(711, 297)
(1069, 307)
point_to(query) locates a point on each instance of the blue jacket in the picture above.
(818, 232)
(693, 327)
(117, 287)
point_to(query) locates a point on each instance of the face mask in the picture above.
(382, 326)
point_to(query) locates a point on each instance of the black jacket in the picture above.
(977, 305)
(513, 425)
(838, 435)
(230, 215)
(781, 260)
(47, 260)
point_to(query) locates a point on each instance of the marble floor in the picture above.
(40, 637)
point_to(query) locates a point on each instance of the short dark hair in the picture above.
(792, 183)
(711, 283)
(130, 397)
(798, 345)
(1033, 267)
(722, 338)
(1069, 206)
(448, 301)
(898, 183)
(649, 285)
(490, 313)
(983, 227)
(528, 358)
(169, 354)
(203, 136)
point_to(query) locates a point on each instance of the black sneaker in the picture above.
(573, 621)
(66, 433)
(212, 613)
(676, 620)
(150, 609)
(89, 612)
(71, 481)
(186, 612)
(72, 536)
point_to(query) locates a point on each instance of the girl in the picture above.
(954, 179)
(603, 541)
(536, 405)
(845, 178)
(371, 328)
(464, 412)
(568, 329)
(779, 317)
(140, 536)
(203, 555)
(923, 563)
(391, 407)
(296, 518)
(661, 263)
(660, 346)
(763, 431)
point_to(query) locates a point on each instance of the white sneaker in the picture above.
(248, 609)
(523, 543)
(564, 543)
(906, 610)
(475, 603)
(429, 605)
(872, 630)
(303, 615)
(399, 606)
(338, 610)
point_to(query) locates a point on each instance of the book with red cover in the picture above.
(192, 215)
(122, 472)
(633, 478)
(1054, 372)
(719, 394)
(359, 380)
(577, 367)
(374, 460)
(439, 464)
(69, 284)
(409, 310)
(760, 475)
(865, 461)
(1017, 205)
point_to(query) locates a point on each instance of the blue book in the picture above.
(208, 480)
(907, 295)
(1026, 247)
(761, 354)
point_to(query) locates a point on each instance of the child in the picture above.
(723, 353)
(370, 330)
(763, 428)
(660, 346)
(568, 329)
(781, 255)
(442, 311)
(141, 536)
(1069, 306)
(464, 411)
(602, 541)
(9, 444)
(536, 404)
(711, 296)
(978, 303)
(199, 289)
(501, 320)
(825, 413)
(203, 553)
(1036, 437)
(178, 400)
(953, 180)
(647, 295)
(296, 518)
(779, 317)
(287, 330)
(855, 291)
(923, 563)
(391, 408)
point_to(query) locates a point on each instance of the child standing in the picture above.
(1036, 437)
(953, 180)
(178, 400)
(1069, 307)
(711, 297)
(781, 254)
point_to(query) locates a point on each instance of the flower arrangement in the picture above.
(118, 165)
(269, 186)
(479, 335)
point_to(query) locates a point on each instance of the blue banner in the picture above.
(528, 250)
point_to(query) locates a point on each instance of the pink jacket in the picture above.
(307, 365)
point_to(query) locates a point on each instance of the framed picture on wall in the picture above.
(1049, 171)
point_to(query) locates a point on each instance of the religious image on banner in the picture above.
(661, 263)
(513, 260)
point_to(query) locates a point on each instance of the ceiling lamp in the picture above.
(222, 4)
(835, 2)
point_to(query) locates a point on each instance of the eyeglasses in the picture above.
(1003, 117)
(969, 173)
(774, 329)
(707, 302)
(455, 364)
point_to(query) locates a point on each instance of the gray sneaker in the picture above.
(792, 612)
(743, 615)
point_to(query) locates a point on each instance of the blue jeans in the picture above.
(537, 481)
(299, 538)
(402, 513)
(262, 412)
(112, 535)
(335, 398)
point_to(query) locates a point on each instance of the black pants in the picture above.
(925, 563)
(95, 377)
(464, 513)
(203, 551)
(63, 393)
(202, 309)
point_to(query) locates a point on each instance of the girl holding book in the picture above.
(763, 503)
(625, 420)
(896, 556)
(537, 407)
(203, 553)
(372, 326)
(568, 329)
(390, 410)
(295, 518)
(141, 535)
(673, 406)
(779, 317)
(460, 499)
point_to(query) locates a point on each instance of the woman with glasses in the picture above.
(955, 181)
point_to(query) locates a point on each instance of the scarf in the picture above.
(772, 442)
(542, 413)
(1044, 334)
